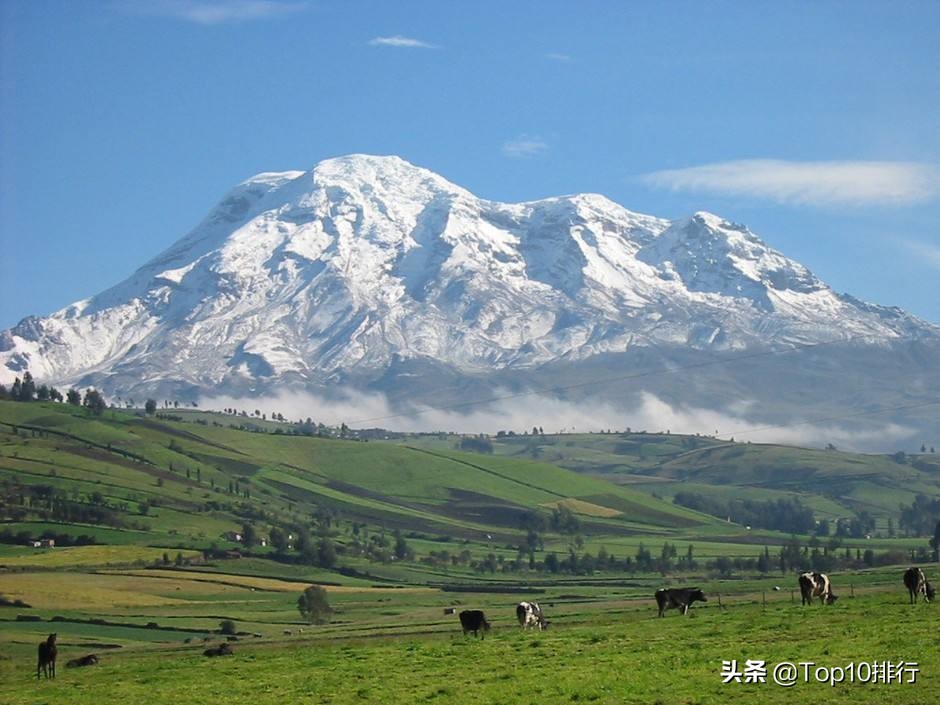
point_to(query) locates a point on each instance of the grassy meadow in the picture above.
(603, 645)
(157, 572)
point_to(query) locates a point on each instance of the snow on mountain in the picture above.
(365, 263)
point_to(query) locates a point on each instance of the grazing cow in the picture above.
(89, 660)
(474, 621)
(222, 649)
(450, 610)
(917, 584)
(816, 585)
(47, 655)
(530, 614)
(680, 598)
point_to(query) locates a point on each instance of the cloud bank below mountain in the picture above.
(520, 413)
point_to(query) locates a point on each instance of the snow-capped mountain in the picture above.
(367, 270)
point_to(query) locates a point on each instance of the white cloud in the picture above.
(212, 12)
(811, 183)
(929, 254)
(401, 42)
(525, 146)
(555, 56)
(370, 410)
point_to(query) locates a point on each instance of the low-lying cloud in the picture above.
(808, 183)
(522, 412)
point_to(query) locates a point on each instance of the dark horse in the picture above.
(47, 654)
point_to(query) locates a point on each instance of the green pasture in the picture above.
(604, 645)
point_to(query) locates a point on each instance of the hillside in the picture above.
(168, 483)
(833, 483)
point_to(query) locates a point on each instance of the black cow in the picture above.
(89, 660)
(816, 585)
(680, 598)
(474, 621)
(222, 649)
(917, 584)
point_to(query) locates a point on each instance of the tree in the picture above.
(278, 539)
(94, 402)
(402, 550)
(935, 543)
(28, 388)
(73, 397)
(151, 407)
(249, 535)
(314, 606)
(326, 553)
(227, 626)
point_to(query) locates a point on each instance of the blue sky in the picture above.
(815, 123)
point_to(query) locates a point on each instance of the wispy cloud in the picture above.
(525, 146)
(401, 42)
(929, 254)
(213, 12)
(555, 56)
(809, 183)
(368, 410)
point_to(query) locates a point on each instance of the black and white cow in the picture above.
(474, 621)
(530, 614)
(680, 598)
(917, 584)
(816, 585)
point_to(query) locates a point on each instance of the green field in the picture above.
(604, 645)
(153, 589)
(834, 483)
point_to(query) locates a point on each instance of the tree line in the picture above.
(26, 390)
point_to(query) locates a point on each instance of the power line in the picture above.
(796, 347)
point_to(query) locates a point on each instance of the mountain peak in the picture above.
(364, 263)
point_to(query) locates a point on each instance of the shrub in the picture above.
(314, 606)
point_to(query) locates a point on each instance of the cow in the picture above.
(530, 614)
(47, 656)
(222, 649)
(917, 584)
(680, 598)
(474, 621)
(89, 660)
(816, 585)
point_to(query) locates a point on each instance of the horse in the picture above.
(47, 655)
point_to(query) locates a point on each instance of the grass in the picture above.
(74, 556)
(617, 652)
(834, 483)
